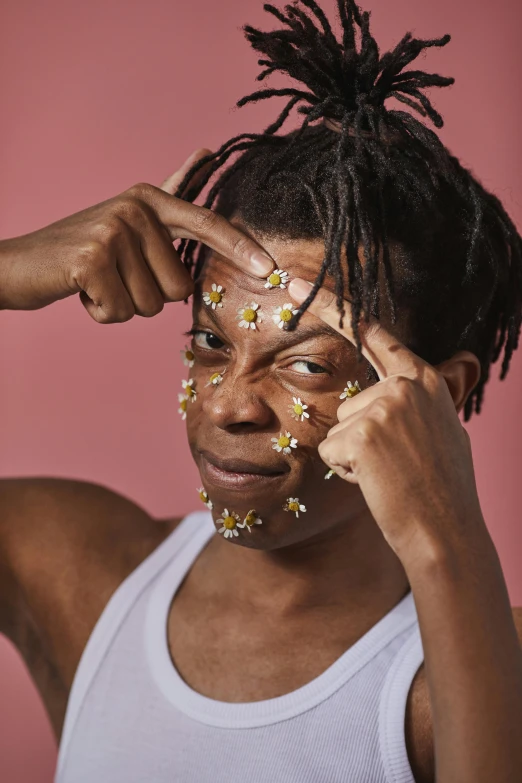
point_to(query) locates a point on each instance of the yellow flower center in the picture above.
(274, 279)
(250, 518)
(189, 356)
(229, 523)
(283, 441)
(298, 409)
(183, 405)
(352, 391)
(293, 506)
(189, 391)
(249, 315)
(215, 296)
(285, 315)
(203, 496)
(214, 377)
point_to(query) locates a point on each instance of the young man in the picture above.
(353, 629)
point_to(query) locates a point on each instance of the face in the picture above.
(263, 377)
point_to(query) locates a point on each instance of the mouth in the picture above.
(238, 473)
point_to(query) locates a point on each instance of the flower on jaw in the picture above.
(183, 399)
(249, 316)
(330, 474)
(298, 409)
(188, 357)
(188, 387)
(285, 443)
(250, 520)
(283, 314)
(204, 497)
(229, 521)
(216, 378)
(278, 279)
(293, 505)
(214, 297)
(351, 390)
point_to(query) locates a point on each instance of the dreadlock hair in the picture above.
(359, 175)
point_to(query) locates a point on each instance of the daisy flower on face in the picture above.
(284, 443)
(188, 387)
(183, 399)
(214, 297)
(188, 357)
(204, 497)
(215, 379)
(283, 314)
(249, 316)
(229, 522)
(298, 410)
(293, 505)
(250, 520)
(330, 474)
(278, 279)
(351, 390)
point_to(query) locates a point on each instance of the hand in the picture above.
(402, 442)
(119, 256)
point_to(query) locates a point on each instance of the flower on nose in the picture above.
(249, 316)
(283, 314)
(214, 297)
(228, 520)
(278, 279)
(285, 443)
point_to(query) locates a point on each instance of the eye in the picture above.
(307, 368)
(207, 340)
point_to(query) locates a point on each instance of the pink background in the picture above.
(97, 96)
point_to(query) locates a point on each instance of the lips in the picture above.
(238, 473)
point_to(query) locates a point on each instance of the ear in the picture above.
(462, 373)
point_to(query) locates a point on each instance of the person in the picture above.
(356, 628)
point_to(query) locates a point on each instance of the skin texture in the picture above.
(337, 567)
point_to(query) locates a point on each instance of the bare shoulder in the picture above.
(418, 722)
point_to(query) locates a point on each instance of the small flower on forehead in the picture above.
(214, 297)
(229, 521)
(351, 390)
(298, 409)
(204, 497)
(278, 279)
(330, 474)
(183, 399)
(216, 378)
(293, 505)
(249, 316)
(283, 314)
(250, 520)
(189, 389)
(284, 443)
(188, 357)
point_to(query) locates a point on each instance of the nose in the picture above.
(236, 405)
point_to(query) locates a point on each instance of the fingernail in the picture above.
(261, 264)
(299, 289)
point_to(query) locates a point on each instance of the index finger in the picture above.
(384, 351)
(184, 220)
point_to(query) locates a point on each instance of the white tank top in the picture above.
(131, 718)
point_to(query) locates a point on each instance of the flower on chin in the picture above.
(214, 298)
(283, 314)
(250, 520)
(229, 523)
(183, 399)
(285, 443)
(293, 505)
(249, 316)
(298, 409)
(203, 496)
(278, 279)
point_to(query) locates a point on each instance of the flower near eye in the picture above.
(293, 505)
(298, 409)
(229, 521)
(204, 497)
(250, 520)
(188, 357)
(351, 390)
(249, 316)
(216, 378)
(278, 279)
(183, 399)
(284, 443)
(214, 297)
(188, 387)
(283, 314)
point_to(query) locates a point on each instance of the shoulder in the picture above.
(418, 721)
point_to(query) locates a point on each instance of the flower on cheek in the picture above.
(216, 378)
(188, 357)
(214, 297)
(283, 314)
(293, 505)
(284, 443)
(298, 409)
(188, 387)
(278, 279)
(183, 399)
(351, 390)
(249, 316)
(330, 474)
(228, 521)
